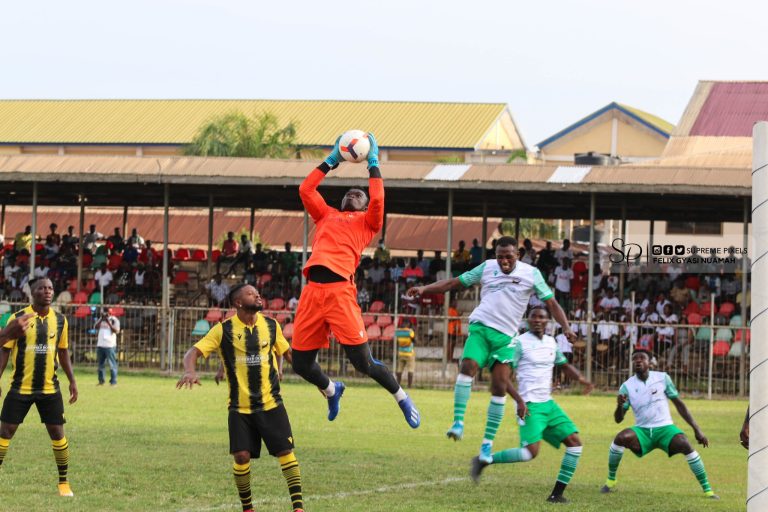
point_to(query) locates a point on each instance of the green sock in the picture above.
(614, 458)
(512, 455)
(697, 466)
(568, 466)
(461, 394)
(495, 415)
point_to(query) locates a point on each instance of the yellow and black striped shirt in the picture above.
(35, 356)
(250, 355)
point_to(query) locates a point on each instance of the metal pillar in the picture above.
(517, 230)
(744, 270)
(165, 301)
(447, 295)
(304, 244)
(590, 278)
(484, 239)
(650, 237)
(125, 222)
(253, 223)
(2, 219)
(711, 344)
(209, 262)
(33, 247)
(622, 275)
(80, 198)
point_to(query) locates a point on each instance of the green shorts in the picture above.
(486, 346)
(656, 437)
(546, 420)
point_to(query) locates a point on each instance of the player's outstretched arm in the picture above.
(442, 286)
(66, 365)
(686, 415)
(374, 217)
(744, 435)
(190, 377)
(557, 313)
(575, 374)
(620, 412)
(310, 197)
(5, 353)
(522, 409)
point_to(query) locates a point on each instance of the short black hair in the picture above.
(506, 241)
(234, 291)
(541, 308)
(641, 351)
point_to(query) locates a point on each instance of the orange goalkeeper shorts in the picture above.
(325, 308)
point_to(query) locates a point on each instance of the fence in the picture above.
(701, 359)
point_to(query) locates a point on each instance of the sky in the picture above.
(552, 62)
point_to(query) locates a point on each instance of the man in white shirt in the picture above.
(609, 302)
(107, 326)
(103, 277)
(218, 291)
(564, 252)
(563, 277)
(535, 355)
(646, 393)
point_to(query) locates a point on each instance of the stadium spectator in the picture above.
(436, 265)
(51, 248)
(413, 272)
(41, 269)
(564, 252)
(476, 254)
(130, 254)
(244, 253)
(547, 262)
(23, 240)
(103, 277)
(610, 302)
(116, 242)
(396, 269)
(530, 252)
(363, 297)
(563, 277)
(108, 327)
(460, 258)
(260, 259)
(293, 302)
(381, 253)
(376, 273)
(406, 353)
(229, 250)
(217, 291)
(149, 256)
(135, 240)
(422, 262)
(54, 235)
(90, 239)
(69, 238)
(288, 261)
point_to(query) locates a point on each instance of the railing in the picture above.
(699, 361)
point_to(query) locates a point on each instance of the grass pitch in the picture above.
(144, 446)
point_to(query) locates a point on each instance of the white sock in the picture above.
(330, 390)
(399, 395)
(616, 448)
(464, 378)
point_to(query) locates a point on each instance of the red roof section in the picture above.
(731, 109)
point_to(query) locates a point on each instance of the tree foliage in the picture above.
(238, 135)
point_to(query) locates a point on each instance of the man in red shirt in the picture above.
(329, 301)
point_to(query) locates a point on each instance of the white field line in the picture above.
(338, 495)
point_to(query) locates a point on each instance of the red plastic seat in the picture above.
(377, 306)
(705, 309)
(72, 287)
(230, 313)
(694, 319)
(182, 254)
(384, 320)
(181, 277)
(726, 309)
(80, 297)
(116, 311)
(282, 318)
(87, 260)
(276, 304)
(368, 320)
(213, 315)
(374, 332)
(215, 255)
(264, 279)
(740, 334)
(90, 286)
(288, 331)
(83, 312)
(39, 247)
(389, 332)
(198, 255)
(721, 348)
(114, 261)
(692, 307)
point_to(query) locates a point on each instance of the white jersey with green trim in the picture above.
(504, 297)
(533, 360)
(648, 399)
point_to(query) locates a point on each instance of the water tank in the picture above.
(592, 158)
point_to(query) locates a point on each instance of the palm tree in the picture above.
(236, 134)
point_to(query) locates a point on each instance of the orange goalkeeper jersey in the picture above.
(340, 237)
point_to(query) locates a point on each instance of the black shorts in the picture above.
(49, 406)
(246, 432)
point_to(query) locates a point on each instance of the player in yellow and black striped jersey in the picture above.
(36, 353)
(251, 347)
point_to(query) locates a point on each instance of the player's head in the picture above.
(537, 320)
(42, 292)
(246, 298)
(506, 253)
(641, 361)
(354, 200)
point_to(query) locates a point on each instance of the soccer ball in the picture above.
(354, 145)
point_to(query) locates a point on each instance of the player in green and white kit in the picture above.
(507, 286)
(646, 393)
(535, 355)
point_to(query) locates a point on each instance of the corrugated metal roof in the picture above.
(250, 171)
(731, 109)
(651, 119)
(396, 124)
(706, 152)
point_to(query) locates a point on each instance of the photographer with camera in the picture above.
(107, 326)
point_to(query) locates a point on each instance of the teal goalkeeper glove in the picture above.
(373, 153)
(334, 157)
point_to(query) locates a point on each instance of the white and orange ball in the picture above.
(354, 145)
